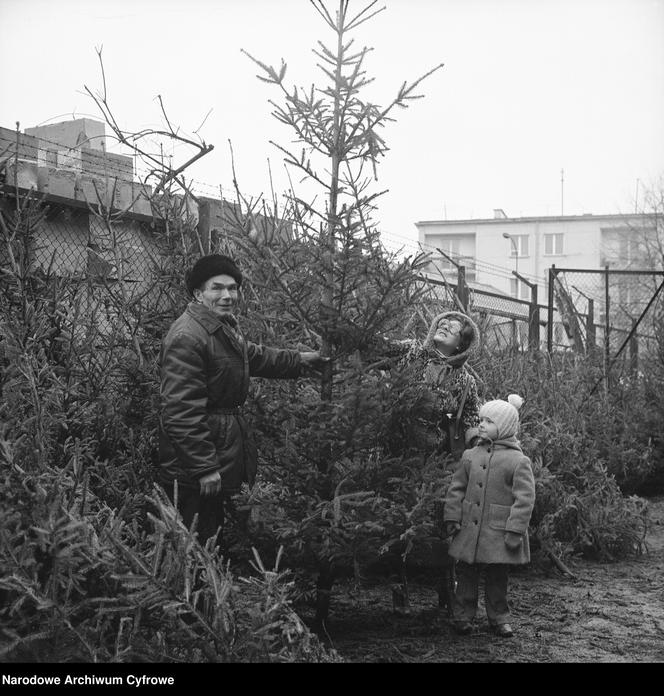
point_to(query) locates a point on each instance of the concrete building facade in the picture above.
(531, 245)
(69, 160)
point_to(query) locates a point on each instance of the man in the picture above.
(206, 363)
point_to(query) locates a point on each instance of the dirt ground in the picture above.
(609, 613)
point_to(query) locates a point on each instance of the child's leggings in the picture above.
(464, 604)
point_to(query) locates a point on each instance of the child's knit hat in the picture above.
(505, 414)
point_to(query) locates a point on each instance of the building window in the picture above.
(519, 290)
(628, 246)
(449, 246)
(629, 250)
(519, 245)
(553, 244)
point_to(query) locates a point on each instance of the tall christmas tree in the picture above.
(320, 275)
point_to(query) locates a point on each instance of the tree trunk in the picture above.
(328, 245)
(400, 594)
(329, 238)
(323, 594)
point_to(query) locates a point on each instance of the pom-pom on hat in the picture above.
(212, 265)
(505, 414)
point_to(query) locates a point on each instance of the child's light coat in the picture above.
(492, 492)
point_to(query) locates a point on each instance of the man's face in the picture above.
(220, 294)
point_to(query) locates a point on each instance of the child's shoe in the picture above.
(503, 630)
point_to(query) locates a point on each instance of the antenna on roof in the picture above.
(562, 189)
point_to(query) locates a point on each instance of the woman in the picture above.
(438, 415)
(443, 416)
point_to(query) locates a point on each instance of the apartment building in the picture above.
(531, 245)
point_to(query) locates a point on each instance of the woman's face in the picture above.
(448, 336)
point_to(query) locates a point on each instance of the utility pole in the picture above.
(515, 249)
(636, 198)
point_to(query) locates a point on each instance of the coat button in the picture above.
(475, 521)
(480, 485)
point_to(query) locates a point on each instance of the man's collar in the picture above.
(209, 320)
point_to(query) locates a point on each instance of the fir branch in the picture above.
(319, 6)
(356, 21)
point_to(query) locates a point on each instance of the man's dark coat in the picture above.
(205, 369)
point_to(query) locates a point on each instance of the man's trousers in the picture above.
(210, 510)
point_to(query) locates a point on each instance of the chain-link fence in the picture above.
(115, 269)
(618, 311)
(505, 321)
(614, 310)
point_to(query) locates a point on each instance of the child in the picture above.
(487, 511)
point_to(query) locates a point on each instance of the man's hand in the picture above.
(513, 540)
(210, 484)
(313, 359)
(452, 529)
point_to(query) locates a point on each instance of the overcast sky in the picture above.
(529, 87)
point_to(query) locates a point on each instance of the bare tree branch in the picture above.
(164, 173)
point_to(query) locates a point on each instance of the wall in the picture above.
(73, 133)
(85, 173)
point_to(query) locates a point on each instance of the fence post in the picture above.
(607, 343)
(533, 312)
(549, 318)
(591, 335)
(204, 225)
(533, 320)
(462, 287)
(634, 350)
(515, 334)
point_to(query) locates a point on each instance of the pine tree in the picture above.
(318, 274)
(340, 134)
